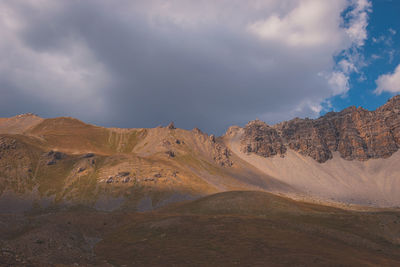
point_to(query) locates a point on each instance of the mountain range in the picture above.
(73, 193)
(348, 157)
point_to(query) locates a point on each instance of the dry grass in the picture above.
(252, 229)
(232, 228)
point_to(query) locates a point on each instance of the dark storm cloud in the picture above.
(145, 63)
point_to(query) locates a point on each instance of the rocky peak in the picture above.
(197, 131)
(232, 130)
(348, 110)
(256, 123)
(392, 105)
(26, 115)
(212, 138)
(356, 133)
(171, 126)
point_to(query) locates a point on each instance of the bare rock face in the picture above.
(303, 136)
(356, 133)
(262, 139)
(222, 155)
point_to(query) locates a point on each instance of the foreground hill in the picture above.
(348, 157)
(231, 228)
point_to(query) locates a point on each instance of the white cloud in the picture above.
(358, 21)
(353, 61)
(386, 38)
(389, 82)
(339, 83)
(309, 24)
(347, 66)
(375, 56)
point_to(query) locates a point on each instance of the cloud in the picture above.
(385, 38)
(339, 83)
(358, 21)
(302, 26)
(57, 78)
(347, 66)
(389, 82)
(205, 63)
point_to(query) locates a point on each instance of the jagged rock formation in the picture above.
(171, 126)
(262, 139)
(355, 133)
(220, 153)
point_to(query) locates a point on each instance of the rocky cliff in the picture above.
(356, 133)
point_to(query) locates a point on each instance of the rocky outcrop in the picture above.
(54, 156)
(171, 126)
(356, 133)
(262, 139)
(219, 152)
(221, 155)
(7, 143)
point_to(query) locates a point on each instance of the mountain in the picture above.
(347, 157)
(63, 160)
(355, 133)
(306, 192)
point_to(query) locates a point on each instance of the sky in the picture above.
(205, 63)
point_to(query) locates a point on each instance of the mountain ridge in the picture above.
(342, 131)
(355, 132)
(326, 159)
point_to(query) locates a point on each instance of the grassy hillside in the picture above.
(255, 229)
(68, 161)
(226, 229)
(74, 136)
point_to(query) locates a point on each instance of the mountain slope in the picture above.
(63, 160)
(348, 157)
(373, 182)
